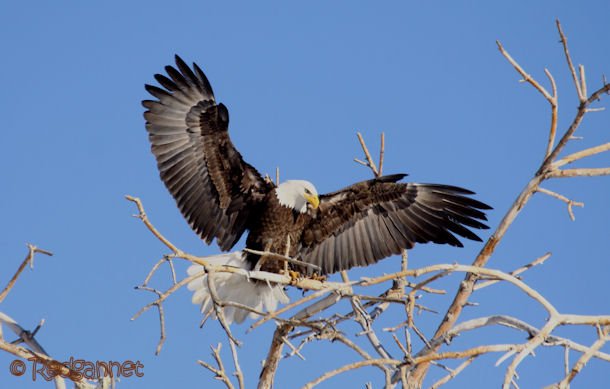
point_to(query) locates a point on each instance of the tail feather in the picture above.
(234, 288)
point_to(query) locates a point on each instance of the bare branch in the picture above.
(219, 308)
(516, 272)
(566, 200)
(582, 154)
(238, 373)
(220, 371)
(577, 83)
(582, 110)
(453, 373)
(554, 105)
(370, 163)
(273, 356)
(275, 314)
(579, 172)
(142, 216)
(381, 154)
(351, 366)
(32, 250)
(365, 321)
(526, 76)
(277, 175)
(584, 358)
(281, 257)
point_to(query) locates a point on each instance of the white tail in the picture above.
(235, 288)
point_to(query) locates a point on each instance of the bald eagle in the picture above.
(222, 196)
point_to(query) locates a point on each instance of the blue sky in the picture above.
(299, 81)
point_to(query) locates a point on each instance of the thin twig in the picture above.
(524, 74)
(577, 83)
(351, 366)
(381, 153)
(566, 200)
(364, 319)
(142, 216)
(554, 107)
(277, 175)
(219, 309)
(516, 272)
(220, 371)
(584, 358)
(582, 110)
(367, 154)
(29, 258)
(453, 373)
(238, 373)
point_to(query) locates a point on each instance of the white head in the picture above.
(296, 194)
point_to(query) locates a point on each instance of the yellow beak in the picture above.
(313, 200)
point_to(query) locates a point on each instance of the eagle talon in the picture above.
(318, 277)
(294, 276)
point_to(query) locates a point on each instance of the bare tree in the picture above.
(296, 327)
(315, 317)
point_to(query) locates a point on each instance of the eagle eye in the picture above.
(307, 191)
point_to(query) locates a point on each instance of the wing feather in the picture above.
(364, 238)
(166, 82)
(371, 220)
(370, 223)
(214, 188)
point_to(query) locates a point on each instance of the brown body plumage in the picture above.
(279, 230)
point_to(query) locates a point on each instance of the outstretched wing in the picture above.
(214, 188)
(371, 220)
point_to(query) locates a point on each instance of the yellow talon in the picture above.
(295, 275)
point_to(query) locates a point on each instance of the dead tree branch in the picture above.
(32, 251)
(544, 172)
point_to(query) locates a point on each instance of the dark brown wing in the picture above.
(214, 188)
(371, 220)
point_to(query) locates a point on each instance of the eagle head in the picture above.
(296, 194)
